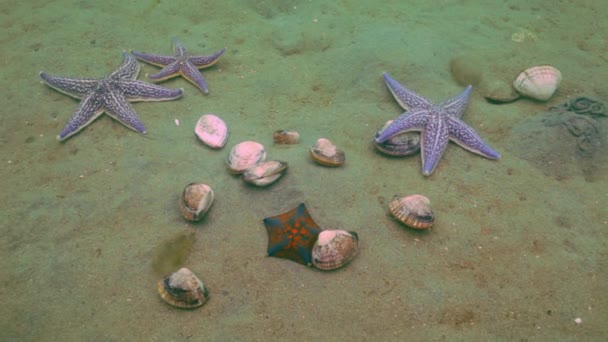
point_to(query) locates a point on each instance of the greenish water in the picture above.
(518, 250)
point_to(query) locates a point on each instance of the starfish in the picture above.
(181, 64)
(110, 94)
(438, 124)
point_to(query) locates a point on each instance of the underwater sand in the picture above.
(517, 252)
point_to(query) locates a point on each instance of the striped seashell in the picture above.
(414, 211)
(538, 82)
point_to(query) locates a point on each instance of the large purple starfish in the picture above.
(181, 64)
(438, 124)
(110, 94)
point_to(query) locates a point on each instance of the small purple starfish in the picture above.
(181, 64)
(110, 94)
(438, 124)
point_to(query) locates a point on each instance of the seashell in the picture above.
(183, 289)
(265, 173)
(334, 249)
(283, 137)
(195, 201)
(212, 131)
(414, 211)
(244, 155)
(538, 82)
(324, 152)
(498, 92)
(402, 144)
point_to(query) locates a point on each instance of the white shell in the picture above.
(212, 131)
(538, 82)
(265, 173)
(245, 155)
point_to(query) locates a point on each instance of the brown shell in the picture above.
(324, 152)
(499, 92)
(334, 249)
(183, 289)
(265, 173)
(283, 137)
(195, 201)
(414, 211)
(244, 155)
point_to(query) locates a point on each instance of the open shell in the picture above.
(195, 201)
(244, 155)
(402, 144)
(212, 131)
(183, 289)
(284, 137)
(265, 173)
(324, 152)
(414, 211)
(334, 249)
(538, 82)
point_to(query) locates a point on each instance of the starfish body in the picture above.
(438, 124)
(110, 94)
(182, 63)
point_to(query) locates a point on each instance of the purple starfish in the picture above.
(110, 94)
(438, 124)
(181, 64)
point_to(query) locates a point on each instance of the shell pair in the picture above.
(183, 289)
(249, 158)
(334, 249)
(538, 82)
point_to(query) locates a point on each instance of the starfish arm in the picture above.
(433, 142)
(192, 74)
(142, 91)
(414, 120)
(167, 72)
(465, 136)
(88, 110)
(457, 104)
(128, 70)
(75, 87)
(157, 60)
(178, 48)
(119, 108)
(406, 98)
(206, 61)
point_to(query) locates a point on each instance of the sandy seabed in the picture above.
(519, 246)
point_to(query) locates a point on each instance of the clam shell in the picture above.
(324, 152)
(498, 92)
(538, 82)
(402, 144)
(265, 173)
(414, 211)
(183, 289)
(334, 249)
(195, 201)
(244, 155)
(212, 131)
(283, 137)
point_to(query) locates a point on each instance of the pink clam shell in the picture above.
(212, 131)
